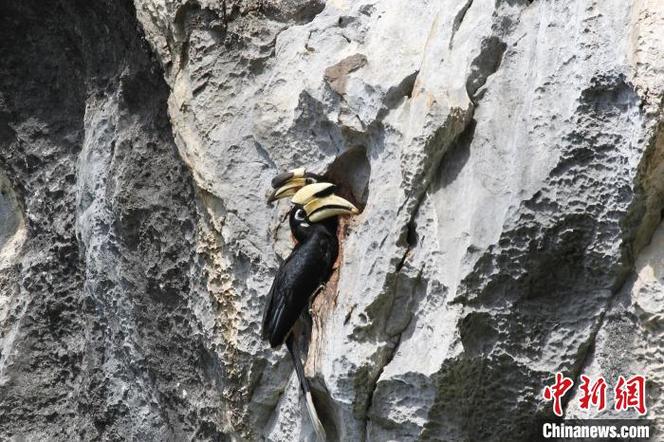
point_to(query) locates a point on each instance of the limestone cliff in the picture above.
(508, 156)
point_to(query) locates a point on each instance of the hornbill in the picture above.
(313, 223)
(287, 183)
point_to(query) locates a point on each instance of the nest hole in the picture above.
(351, 171)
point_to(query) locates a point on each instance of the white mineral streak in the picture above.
(12, 224)
(514, 172)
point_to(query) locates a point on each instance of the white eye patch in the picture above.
(299, 215)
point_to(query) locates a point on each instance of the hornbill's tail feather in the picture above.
(311, 409)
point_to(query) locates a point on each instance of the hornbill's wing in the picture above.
(269, 312)
(297, 279)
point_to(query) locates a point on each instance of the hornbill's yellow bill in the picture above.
(288, 183)
(288, 189)
(320, 208)
(311, 191)
(284, 177)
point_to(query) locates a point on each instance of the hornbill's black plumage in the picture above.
(300, 275)
(313, 223)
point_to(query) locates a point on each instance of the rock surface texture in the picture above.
(508, 156)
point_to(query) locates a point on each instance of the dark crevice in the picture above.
(515, 2)
(294, 13)
(456, 157)
(484, 65)
(395, 95)
(410, 240)
(397, 339)
(422, 182)
(458, 19)
(351, 172)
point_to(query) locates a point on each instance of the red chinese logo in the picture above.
(629, 393)
(557, 391)
(592, 394)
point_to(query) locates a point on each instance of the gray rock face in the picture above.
(98, 262)
(508, 157)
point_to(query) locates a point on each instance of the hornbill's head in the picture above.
(315, 203)
(319, 202)
(288, 183)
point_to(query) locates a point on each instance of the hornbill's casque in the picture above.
(287, 183)
(313, 223)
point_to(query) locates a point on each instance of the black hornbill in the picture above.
(313, 223)
(287, 183)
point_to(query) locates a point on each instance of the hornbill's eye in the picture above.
(300, 215)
